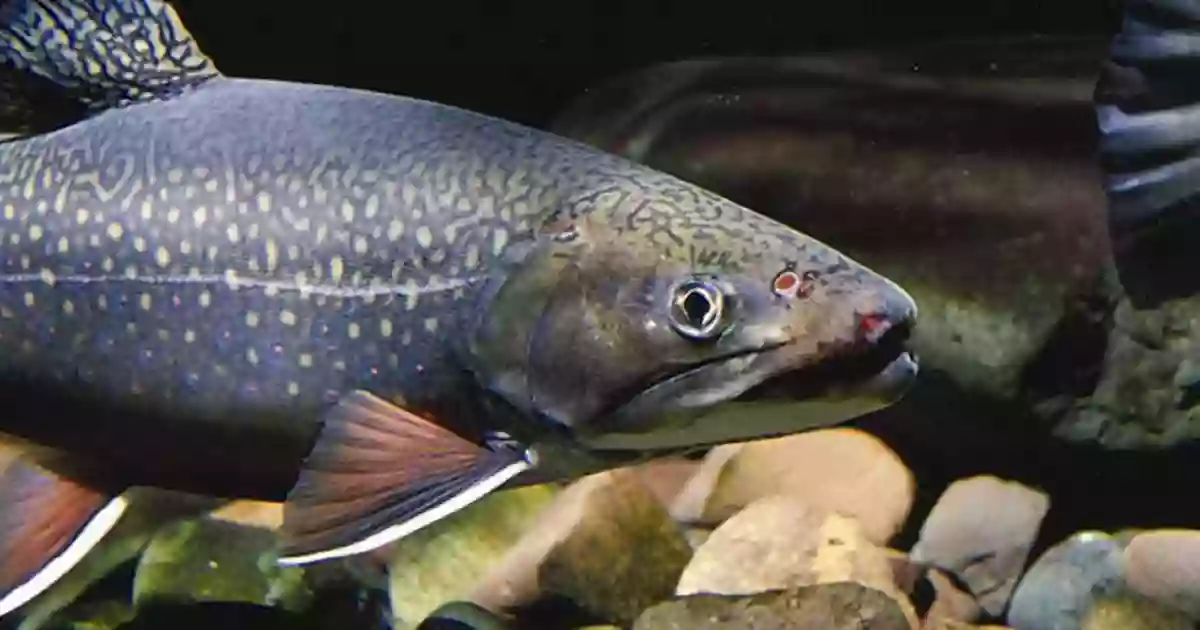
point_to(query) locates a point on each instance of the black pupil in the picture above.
(696, 306)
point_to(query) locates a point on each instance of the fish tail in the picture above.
(1147, 112)
(62, 60)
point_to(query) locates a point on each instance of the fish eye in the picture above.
(696, 310)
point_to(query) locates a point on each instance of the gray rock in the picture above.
(836, 606)
(981, 529)
(1061, 587)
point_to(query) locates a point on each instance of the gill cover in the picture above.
(583, 321)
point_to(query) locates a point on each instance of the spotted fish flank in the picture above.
(377, 309)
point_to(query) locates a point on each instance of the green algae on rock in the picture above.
(207, 560)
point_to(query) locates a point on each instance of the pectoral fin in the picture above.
(48, 523)
(379, 473)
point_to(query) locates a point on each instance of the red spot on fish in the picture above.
(871, 324)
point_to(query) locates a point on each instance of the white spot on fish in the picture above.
(252, 319)
(252, 356)
(232, 232)
(288, 318)
(162, 257)
(144, 301)
(336, 268)
(306, 360)
(385, 327)
(293, 388)
(353, 330)
(431, 324)
(272, 254)
(499, 241)
(424, 236)
(35, 232)
(189, 336)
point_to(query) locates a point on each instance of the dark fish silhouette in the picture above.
(377, 308)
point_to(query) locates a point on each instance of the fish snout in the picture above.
(893, 316)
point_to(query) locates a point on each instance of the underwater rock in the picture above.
(951, 604)
(444, 562)
(666, 477)
(844, 471)
(1127, 611)
(834, 606)
(982, 529)
(1060, 588)
(606, 543)
(779, 542)
(1164, 565)
(689, 503)
(1147, 390)
(208, 560)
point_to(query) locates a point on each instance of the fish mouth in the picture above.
(885, 368)
(764, 392)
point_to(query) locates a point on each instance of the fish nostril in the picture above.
(872, 326)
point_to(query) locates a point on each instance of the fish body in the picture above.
(375, 308)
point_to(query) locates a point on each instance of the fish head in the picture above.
(645, 322)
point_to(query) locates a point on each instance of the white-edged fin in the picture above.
(48, 524)
(378, 473)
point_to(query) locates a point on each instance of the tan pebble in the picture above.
(262, 514)
(1165, 565)
(666, 477)
(688, 506)
(982, 529)
(846, 471)
(779, 542)
(950, 604)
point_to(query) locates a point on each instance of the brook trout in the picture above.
(378, 309)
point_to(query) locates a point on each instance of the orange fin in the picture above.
(48, 523)
(379, 473)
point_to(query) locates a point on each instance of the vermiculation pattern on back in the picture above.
(255, 239)
(245, 241)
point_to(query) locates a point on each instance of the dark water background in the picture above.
(525, 59)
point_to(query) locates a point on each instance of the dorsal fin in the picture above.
(73, 58)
